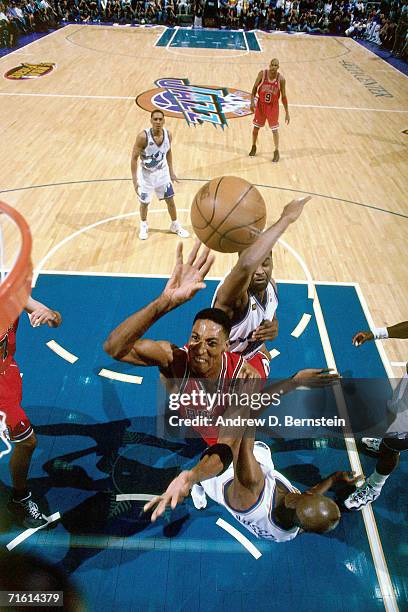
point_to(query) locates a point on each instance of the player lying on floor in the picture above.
(239, 474)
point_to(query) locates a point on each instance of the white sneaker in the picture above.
(361, 497)
(176, 228)
(372, 444)
(199, 497)
(144, 231)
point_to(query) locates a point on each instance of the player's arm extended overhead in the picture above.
(234, 289)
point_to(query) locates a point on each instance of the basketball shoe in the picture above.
(176, 228)
(361, 497)
(252, 152)
(27, 512)
(371, 444)
(144, 230)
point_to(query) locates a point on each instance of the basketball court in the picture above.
(65, 151)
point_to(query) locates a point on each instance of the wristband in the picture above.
(223, 451)
(380, 333)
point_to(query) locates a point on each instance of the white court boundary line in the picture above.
(380, 564)
(251, 548)
(29, 532)
(94, 97)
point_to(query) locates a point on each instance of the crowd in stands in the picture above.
(383, 23)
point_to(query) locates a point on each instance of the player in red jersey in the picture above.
(18, 428)
(204, 358)
(268, 87)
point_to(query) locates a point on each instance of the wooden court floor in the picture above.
(67, 138)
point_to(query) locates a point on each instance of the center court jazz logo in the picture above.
(5, 446)
(29, 71)
(197, 104)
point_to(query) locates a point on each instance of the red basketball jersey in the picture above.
(268, 92)
(231, 366)
(8, 346)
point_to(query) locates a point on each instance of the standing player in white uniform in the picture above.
(155, 172)
(248, 293)
(239, 474)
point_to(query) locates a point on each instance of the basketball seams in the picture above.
(215, 200)
(215, 229)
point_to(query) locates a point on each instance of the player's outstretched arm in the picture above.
(40, 314)
(400, 331)
(124, 342)
(235, 286)
(139, 146)
(322, 487)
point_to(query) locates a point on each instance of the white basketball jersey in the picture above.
(253, 316)
(258, 519)
(153, 158)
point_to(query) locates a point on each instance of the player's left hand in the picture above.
(267, 330)
(178, 489)
(187, 278)
(316, 377)
(287, 118)
(44, 315)
(174, 178)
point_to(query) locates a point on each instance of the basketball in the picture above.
(228, 214)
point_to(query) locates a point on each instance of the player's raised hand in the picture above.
(362, 336)
(188, 278)
(267, 330)
(293, 210)
(178, 489)
(43, 315)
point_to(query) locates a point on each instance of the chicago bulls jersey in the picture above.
(268, 92)
(204, 406)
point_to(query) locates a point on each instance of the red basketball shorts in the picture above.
(266, 112)
(18, 426)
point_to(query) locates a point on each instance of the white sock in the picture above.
(377, 480)
(175, 223)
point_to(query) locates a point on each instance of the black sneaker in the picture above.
(27, 511)
(276, 156)
(252, 152)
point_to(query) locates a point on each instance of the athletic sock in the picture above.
(376, 480)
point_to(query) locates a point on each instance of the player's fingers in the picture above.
(193, 253)
(179, 254)
(207, 265)
(159, 510)
(203, 257)
(150, 504)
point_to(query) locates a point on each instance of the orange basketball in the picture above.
(228, 214)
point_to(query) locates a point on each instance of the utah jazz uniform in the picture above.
(153, 174)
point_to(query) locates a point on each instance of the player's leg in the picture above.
(166, 193)
(275, 134)
(145, 197)
(21, 434)
(255, 133)
(388, 460)
(258, 122)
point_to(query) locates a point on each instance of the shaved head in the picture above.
(317, 513)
